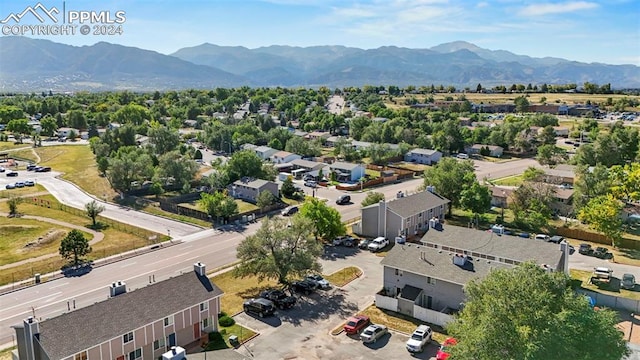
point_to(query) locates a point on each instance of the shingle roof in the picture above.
(423, 151)
(339, 165)
(70, 333)
(416, 203)
(503, 246)
(567, 171)
(434, 263)
(254, 184)
(282, 154)
(307, 164)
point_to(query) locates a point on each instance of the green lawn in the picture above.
(581, 278)
(10, 145)
(343, 276)
(27, 190)
(244, 206)
(515, 180)
(222, 342)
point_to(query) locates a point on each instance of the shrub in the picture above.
(226, 321)
(215, 336)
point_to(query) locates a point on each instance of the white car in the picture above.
(378, 244)
(373, 332)
(319, 281)
(2, 169)
(420, 337)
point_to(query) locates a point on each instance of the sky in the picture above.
(605, 31)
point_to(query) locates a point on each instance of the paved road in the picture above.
(71, 195)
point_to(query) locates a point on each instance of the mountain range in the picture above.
(35, 65)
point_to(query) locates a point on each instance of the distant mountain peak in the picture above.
(455, 46)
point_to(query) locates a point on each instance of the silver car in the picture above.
(373, 332)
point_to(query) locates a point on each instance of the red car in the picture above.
(442, 352)
(356, 323)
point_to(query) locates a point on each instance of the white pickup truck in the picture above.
(378, 244)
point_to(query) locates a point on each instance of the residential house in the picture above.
(264, 152)
(360, 145)
(331, 141)
(426, 281)
(423, 156)
(561, 174)
(315, 135)
(302, 167)
(562, 131)
(347, 172)
(248, 147)
(494, 150)
(500, 196)
(403, 216)
(141, 324)
(282, 157)
(248, 189)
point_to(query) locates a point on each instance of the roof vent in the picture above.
(459, 260)
(117, 288)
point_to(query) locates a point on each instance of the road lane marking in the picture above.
(59, 285)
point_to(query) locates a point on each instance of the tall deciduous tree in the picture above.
(264, 199)
(93, 209)
(603, 214)
(74, 246)
(450, 177)
(218, 205)
(244, 163)
(476, 198)
(13, 203)
(173, 165)
(372, 198)
(19, 127)
(326, 221)
(128, 165)
(163, 138)
(551, 155)
(278, 251)
(530, 313)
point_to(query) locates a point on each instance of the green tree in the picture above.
(287, 188)
(590, 183)
(531, 204)
(602, 213)
(218, 205)
(372, 198)
(13, 203)
(551, 155)
(476, 198)
(49, 126)
(19, 128)
(327, 223)
(156, 189)
(529, 313)
(625, 181)
(103, 165)
(163, 138)
(547, 135)
(180, 169)
(532, 174)
(93, 209)
(522, 104)
(217, 180)
(278, 251)
(75, 246)
(265, 199)
(244, 163)
(450, 176)
(128, 165)
(10, 112)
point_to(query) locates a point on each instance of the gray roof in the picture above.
(339, 165)
(561, 170)
(410, 292)
(254, 183)
(423, 151)
(434, 263)
(500, 246)
(416, 203)
(314, 165)
(70, 333)
(263, 149)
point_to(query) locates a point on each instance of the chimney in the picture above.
(31, 330)
(117, 288)
(200, 269)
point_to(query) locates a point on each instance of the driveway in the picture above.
(304, 332)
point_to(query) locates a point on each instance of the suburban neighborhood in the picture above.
(344, 229)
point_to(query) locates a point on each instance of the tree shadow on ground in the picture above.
(319, 305)
(78, 270)
(99, 226)
(339, 252)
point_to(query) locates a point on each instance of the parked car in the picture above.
(304, 286)
(543, 237)
(585, 249)
(321, 283)
(364, 243)
(628, 281)
(343, 200)
(311, 184)
(290, 211)
(421, 336)
(601, 252)
(12, 173)
(601, 274)
(347, 241)
(280, 298)
(308, 177)
(43, 169)
(31, 167)
(10, 186)
(556, 239)
(20, 184)
(262, 307)
(378, 244)
(373, 332)
(29, 183)
(462, 156)
(355, 324)
(443, 351)
(2, 169)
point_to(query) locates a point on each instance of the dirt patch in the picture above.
(49, 237)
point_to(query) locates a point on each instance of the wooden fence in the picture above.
(596, 237)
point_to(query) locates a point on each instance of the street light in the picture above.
(504, 200)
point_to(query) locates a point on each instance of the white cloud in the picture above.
(482, 4)
(556, 8)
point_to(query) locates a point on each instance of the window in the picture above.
(205, 323)
(204, 306)
(81, 356)
(127, 337)
(135, 354)
(431, 280)
(158, 344)
(168, 320)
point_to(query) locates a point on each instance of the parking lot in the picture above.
(304, 332)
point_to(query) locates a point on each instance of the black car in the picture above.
(42, 169)
(304, 286)
(280, 298)
(12, 173)
(31, 167)
(601, 252)
(343, 200)
(585, 249)
(262, 307)
(556, 239)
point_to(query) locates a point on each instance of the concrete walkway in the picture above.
(97, 237)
